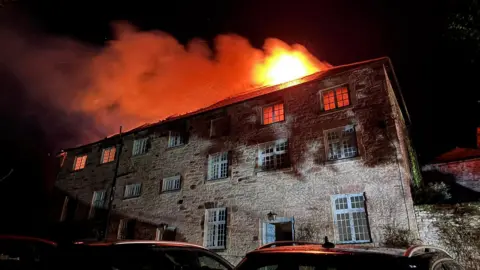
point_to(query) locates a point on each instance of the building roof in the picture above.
(253, 94)
(458, 154)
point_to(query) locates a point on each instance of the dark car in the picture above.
(311, 256)
(141, 255)
(26, 253)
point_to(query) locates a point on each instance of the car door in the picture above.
(211, 261)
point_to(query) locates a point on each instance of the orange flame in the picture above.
(284, 63)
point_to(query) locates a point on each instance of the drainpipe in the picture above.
(112, 187)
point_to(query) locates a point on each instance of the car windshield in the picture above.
(24, 254)
(305, 261)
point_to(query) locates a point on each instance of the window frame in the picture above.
(334, 90)
(210, 174)
(272, 105)
(340, 141)
(177, 134)
(75, 169)
(207, 225)
(133, 195)
(109, 149)
(171, 178)
(141, 145)
(212, 125)
(93, 207)
(350, 210)
(275, 152)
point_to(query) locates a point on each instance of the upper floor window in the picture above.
(350, 218)
(219, 127)
(132, 190)
(218, 166)
(273, 155)
(341, 143)
(215, 228)
(273, 113)
(171, 183)
(79, 162)
(139, 146)
(336, 98)
(108, 154)
(175, 139)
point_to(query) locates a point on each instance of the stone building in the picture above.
(325, 155)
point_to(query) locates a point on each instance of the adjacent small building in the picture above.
(325, 155)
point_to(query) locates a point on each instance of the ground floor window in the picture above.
(350, 218)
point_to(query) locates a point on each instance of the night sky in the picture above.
(436, 74)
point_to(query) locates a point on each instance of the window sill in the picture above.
(343, 160)
(132, 197)
(219, 180)
(140, 155)
(170, 191)
(341, 109)
(267, 172)
(278, 122)
(364, 242)
(217, 249)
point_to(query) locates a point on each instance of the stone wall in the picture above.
(465, 172)
(453, 227)
(301, 191)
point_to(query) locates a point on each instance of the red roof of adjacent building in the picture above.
(458, 154)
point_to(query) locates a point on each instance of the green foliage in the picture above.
(432, 193)
(397, 238)
(416, 173)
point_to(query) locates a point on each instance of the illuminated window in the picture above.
(98, 202)
(215, 228)
(171, 183)
(108, 154)
(336, 98)
(79, 162)
(273, 113)
(350, 219)
(341, 143)
(140, 146)
(132, 190)
(175, 139)
(273, 155)
(218, 166)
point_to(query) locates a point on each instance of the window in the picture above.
(171, 183)
(139, 146)
(108, 155)
(273, 155)
(219, 127)
(207, 261)
(132, 190)
(98, 202)
(218, 166)
(175, 139)
(337, 98)
(350, 218)
(273, 113)
(79, 162)
(215, 228)
(341, 143)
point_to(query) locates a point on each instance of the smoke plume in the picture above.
(139, 77)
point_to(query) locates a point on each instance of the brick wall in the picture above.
(302, 191)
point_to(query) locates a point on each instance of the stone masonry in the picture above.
(302, 192)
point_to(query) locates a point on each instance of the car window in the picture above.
(138, 257)
(24, 254)
(209, 262)
(181, 258)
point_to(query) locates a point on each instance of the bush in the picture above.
(395, 237)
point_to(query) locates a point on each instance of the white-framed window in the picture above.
(79, 162)
(335, 98)
(218, 166)
(139, 146)
(171, 183)
(215, 232)
(132, 190)
(273, 113)
(341, 143)
(175, 139)
(350, 218)
(273, 155)
(98, 202)
(108, 154)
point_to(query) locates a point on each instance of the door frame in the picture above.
(277, 220)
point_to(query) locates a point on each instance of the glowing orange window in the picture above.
(79, 162)
(273, 113)
(108, 155)
(336, 98)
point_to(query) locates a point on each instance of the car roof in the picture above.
(318, 249)
(143, 242)
(27, 238)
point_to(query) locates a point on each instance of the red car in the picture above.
(26, 253)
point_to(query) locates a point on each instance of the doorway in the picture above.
(280, 229)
